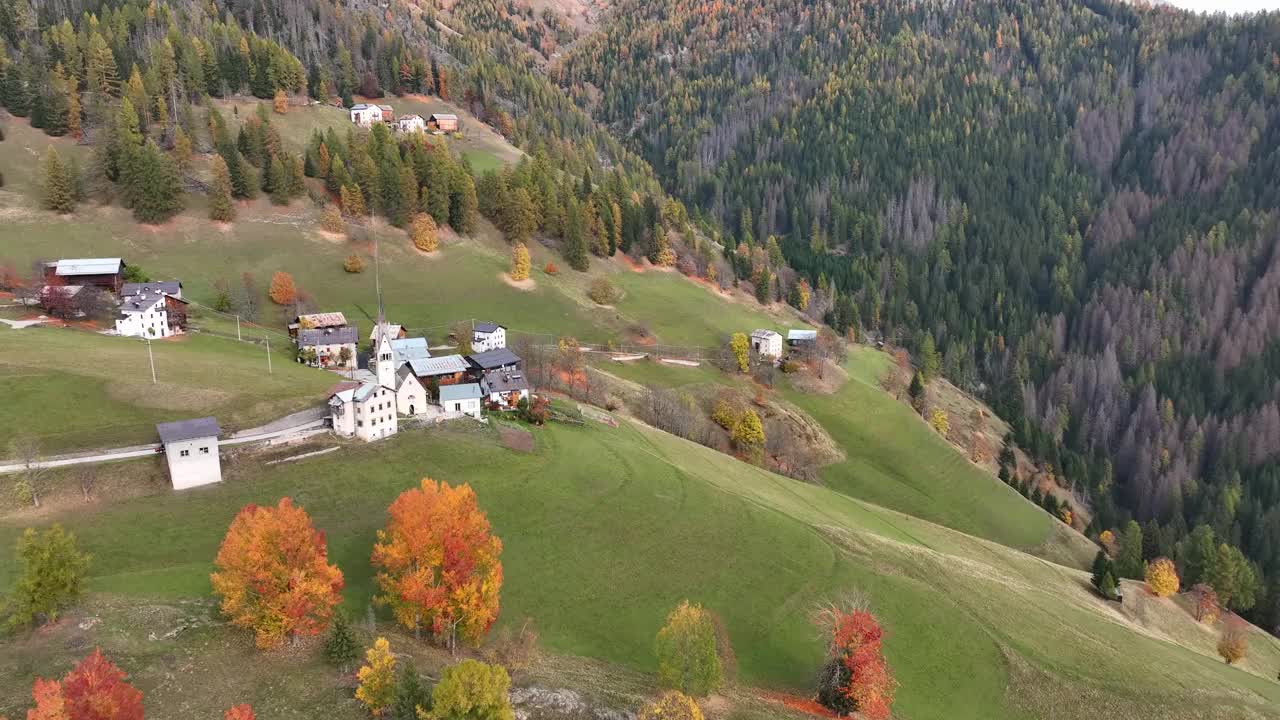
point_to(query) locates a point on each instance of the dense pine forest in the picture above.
(1075, 202)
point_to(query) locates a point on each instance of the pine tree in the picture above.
(57, 183)
(279, 183)
(340, 648)
(182, 150)
(221, 206)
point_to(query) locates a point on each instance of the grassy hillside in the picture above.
(73, 389)
(606, 529)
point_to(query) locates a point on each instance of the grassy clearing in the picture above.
(652, 373)
(606, 529)
(106, 397)
(897, 461)
(682, 312)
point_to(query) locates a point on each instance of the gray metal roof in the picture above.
(140, 303)
(443, 365)
(493, 359)
(89, 266)
(406, 349)
(487, 327)
(763, 334)
(444, 116)
(188, 429)
(168, 287)
(802, 334)
(504, 381)
(465, 391)
(327, 336)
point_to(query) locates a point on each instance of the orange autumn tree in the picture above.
(93, 690)
(274, 576)
(283, 291)
(861, 678)
(438, 563)
(239, 712)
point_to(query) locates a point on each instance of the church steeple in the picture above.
(383, 355)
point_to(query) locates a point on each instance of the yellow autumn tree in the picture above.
(741, 348)
(283, 290)
(331, 220)
(1162, 577)
(1233, 646)
(423, 232)
(939, 421)
(280, 103)
(352, 199)
(748, 432)
(520, 262)
(1108, 541)
(377, 678)
(673, 705)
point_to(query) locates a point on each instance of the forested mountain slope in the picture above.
(1076, 200)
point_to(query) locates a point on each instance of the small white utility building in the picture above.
(464, 398)
(191, 448)
(766, 343)
(487, 336)
(411, 123)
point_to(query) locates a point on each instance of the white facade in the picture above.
(365, 115)
(465, 399)
(194, 462)
(145, 317)
(488, 336)
(384, 357)
(767, 343)
(367, 412)
(411, 123)
(466, 406)
(411, 396)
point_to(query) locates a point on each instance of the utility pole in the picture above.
(151, 358)
(267, 340)
(237, 327)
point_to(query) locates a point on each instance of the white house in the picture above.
(366, 411)
(411, 123)
(366, 115)
(328, 344)
(191, 448)
(151, 312)
(505, 388)
(464, 398)
(487, 336)
(766, 343)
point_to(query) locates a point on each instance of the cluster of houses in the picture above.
(144, 309)
(403, 379)
(769, 344)
(368, 114)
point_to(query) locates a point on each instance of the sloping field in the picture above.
(606, 529)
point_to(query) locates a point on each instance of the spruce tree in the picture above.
(411, 694)
(57, 183)
(340, 648)
(152, 185)
(463, 204)
(221, 207)
(279, 183)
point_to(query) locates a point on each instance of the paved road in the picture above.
(297, 424)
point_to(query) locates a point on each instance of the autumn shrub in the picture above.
(273, 574)
(602, 292)
(939, 422)
(748, 432)
(424, 233)
(725, 413)
(1162, 577)
(1207, 608)
(472, 690)
(550, 268)
(95, 689)
(283, 291)
(865, 683)
(239, 712)
(516, 650)
(1233, 646)
(331, 219)
(686, 651)
(353, 264)
(672, 705)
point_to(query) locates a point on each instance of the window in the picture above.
(359, 423)
(204, 451)
(184, 453)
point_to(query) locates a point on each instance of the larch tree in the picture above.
(520, 263)
(221, 206)
(424, 233)
(438, 563)
(273, 574)
(280, 103)
(57, 183)
(519, 217)
(331, 219)
(283, 291)
(352, 198)
(51, 578)
(377, 678)
(1162, 577)
(686, 651)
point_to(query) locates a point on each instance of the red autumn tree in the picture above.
(856, 641)
(239, 712)
(93, 690)
(274, 576)
(283, 291)
(438, 563)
